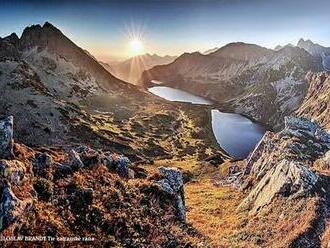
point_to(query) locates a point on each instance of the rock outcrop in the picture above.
(13, 171)
(282, 163)
(172, 183)
(6, 137)
(10, 206)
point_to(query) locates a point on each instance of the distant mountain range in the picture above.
(262, 83)
(131, 69)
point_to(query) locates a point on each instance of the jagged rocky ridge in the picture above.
(282, 163)
(262, 83)
(317, 51)
(91, 193)
(317, 101)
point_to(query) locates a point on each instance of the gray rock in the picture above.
(288, 178)
(43, 160)
(172, 183)
(61, 170)
(173, 176)
(280, 164)
(10, 207)
(75, 160)
(122, 166)
(6, 138)
(256, 153)
(41, 164)
(165, 185)
(12, 170)
(119, 164)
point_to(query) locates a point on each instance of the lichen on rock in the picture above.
(172, 183)
(6, 137)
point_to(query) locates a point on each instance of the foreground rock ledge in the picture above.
(281, 163)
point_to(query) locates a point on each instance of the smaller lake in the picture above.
(236, 134)
(176, 95)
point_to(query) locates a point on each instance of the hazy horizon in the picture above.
(121, 29)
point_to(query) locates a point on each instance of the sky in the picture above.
(168, 27)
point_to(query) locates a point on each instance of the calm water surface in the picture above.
(236, 134)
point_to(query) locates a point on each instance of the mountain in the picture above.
(40, 72)
(286, 175)
(131, 70)
(82, 152)
(212, 50)
(58, 94)
(279, 47)
(242, 51)
(316, 50)
(106, 66)
(316, 104)
(243, 78)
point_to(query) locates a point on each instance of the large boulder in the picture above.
(10, 206)
(118, 163)
(172, 183)
(75, 160)
(6, 137)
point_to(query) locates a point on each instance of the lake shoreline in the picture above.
(235, 133)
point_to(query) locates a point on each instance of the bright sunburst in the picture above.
(135, 34)
(136, 47)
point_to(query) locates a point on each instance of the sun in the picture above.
(136, 47)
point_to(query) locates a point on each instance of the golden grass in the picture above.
(212, 211)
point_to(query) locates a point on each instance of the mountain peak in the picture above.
(242, 51)
(41, 36)
(48, 25)
(13, 39)
(302, 42)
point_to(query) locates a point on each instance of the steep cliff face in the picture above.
(264, 84)
(317, 51)
(316, 104)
